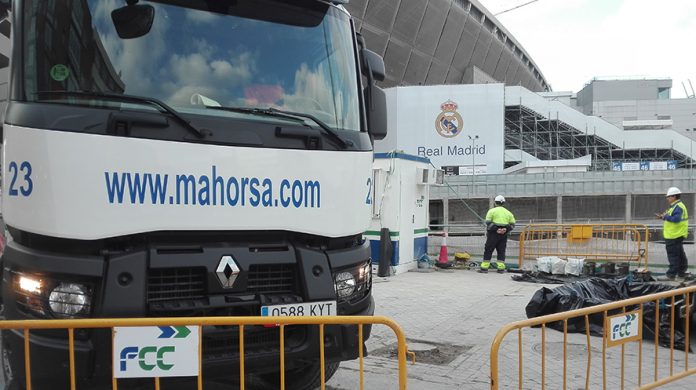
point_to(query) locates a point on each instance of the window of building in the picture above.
(490, 26)
(464, 3)
(663, 93)
(476, 14)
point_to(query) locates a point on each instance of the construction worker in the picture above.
(499, 224)
(675, 229)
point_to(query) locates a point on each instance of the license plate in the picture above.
(307, 309)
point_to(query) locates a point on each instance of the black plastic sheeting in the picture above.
(546, 278)
(540, 277)
(596, 291)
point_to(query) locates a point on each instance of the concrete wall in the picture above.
(617, 101)
(682, 112)
(608, 90)
(560, 209)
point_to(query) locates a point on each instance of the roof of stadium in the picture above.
(430, 42)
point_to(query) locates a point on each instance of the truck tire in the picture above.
(304, 378)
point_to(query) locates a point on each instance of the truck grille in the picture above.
(272, 278)
(173, 284)
(187, 284)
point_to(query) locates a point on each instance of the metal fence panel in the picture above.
(281, 322)
(594, 242)
(594, 366)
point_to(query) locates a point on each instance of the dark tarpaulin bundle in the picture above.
(541, 277)
(596, 291)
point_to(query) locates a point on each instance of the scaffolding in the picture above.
(547, 138)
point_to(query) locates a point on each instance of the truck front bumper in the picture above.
(112, 298)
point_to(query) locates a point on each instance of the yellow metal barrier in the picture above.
(605, 242)
(360, 321)
(623, 308)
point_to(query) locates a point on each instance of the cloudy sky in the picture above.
(573, 41)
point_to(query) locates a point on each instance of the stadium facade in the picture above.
(435, 42)
(431, 42)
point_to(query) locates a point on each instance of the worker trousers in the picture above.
(676, 256)
(497, 242)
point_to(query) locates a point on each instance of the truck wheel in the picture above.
(304, 378)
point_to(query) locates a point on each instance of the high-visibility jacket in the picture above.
(676, 221)
(499, 216)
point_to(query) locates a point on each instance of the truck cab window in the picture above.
(193, 58)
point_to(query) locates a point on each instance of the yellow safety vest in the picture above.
(500, 216)
(673, 230)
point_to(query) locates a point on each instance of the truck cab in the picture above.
(187, 158)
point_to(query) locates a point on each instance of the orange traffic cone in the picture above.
(442, 260)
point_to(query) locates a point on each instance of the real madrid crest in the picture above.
(449, 123)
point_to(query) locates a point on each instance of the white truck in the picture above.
(187, 158)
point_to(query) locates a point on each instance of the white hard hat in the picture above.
(500, 199)
(673, 191)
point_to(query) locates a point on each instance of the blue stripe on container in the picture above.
(420, 247)
(374, 252)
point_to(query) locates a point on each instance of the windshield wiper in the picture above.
(291, 115)
(132, 99)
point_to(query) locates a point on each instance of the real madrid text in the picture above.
(452, 150)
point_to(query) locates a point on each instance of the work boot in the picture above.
(665, 278)
(485, 264)
(499, 266)
(685, 277)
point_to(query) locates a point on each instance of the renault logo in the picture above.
(227, 271)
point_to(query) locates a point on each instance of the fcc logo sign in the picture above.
(155, 351)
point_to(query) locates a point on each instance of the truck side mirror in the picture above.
(376, 112)
(374, 64)
(133, 20)
(375, 98)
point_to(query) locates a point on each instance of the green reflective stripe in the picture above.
(394, 234)
(377, 233)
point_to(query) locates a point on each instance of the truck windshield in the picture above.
(199, 56)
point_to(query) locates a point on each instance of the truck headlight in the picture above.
(69, 300)
(49, 298)
(345, 284)
(29, 285)
(354, 283)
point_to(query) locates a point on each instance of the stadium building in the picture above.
(431, 42)
(563, 159)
